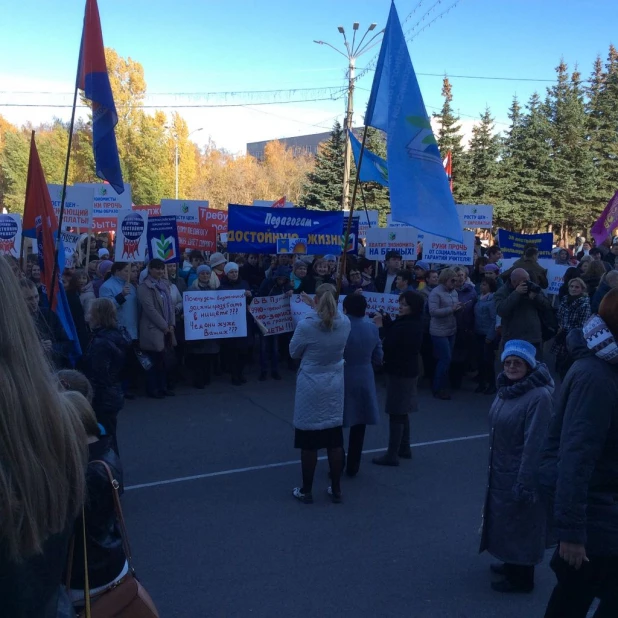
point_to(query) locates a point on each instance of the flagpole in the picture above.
(64, 189)
(365, 205)
(351, 213)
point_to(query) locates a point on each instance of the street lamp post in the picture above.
(177, 156)
(352, 52)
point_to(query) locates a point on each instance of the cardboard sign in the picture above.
(131, 236)
(10, 235)
(475, 215)
(444, 251)
(78, 205)
(200, 236)
(389, 303)
(381, 240)
(210, 217)
(153, 210)
(215, 314)
(183, 210)
(69, 243)
(162, 238)
(272, 314)
(555, 276)
(107, 203)
(299, 309)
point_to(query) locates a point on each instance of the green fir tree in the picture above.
(483, 155)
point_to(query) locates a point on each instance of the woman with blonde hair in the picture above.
(43, 446)
(103, 363)
(319, 342)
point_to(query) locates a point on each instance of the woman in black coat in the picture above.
(235, 349)
(402, 345)
(103, 363)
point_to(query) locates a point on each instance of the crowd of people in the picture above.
(553, 469)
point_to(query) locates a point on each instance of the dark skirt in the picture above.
(401, 395)
(314, 440)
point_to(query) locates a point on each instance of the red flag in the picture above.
(40, 220)
(448, 168)
(280, 203)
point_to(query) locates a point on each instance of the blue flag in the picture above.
(419, 189)
(93, 79)
(373, 168)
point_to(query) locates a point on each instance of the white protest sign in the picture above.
(131, 237)
(10, 235)
(444, 251)
(299, 309)
(106, 205)
(475, 215)
(78, 205)
(272, 313)
(215, 314)
(555, 276)
(69, 243)
(363, 225)
(380, 240)
(389, 303)
(183, 210)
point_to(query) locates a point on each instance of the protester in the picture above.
(76, 308)
(86, 292)
(478, 271)
(103, 268)
(331, 260)
(609, 282)
(301, 281)
(321, 273)
(236, 349)
(386, 281)
(490, 271)
(443, 304)
(562, 257)
(514, 516)
(486, 334)
(571, 273)
(217, 264)
(252, 273)
(580, 470)
(402, 345)
(103, 362)
(53, 337)
(156, 327)
(597, 256)
(366, 268)
(357, 281)
(269, 358)
(196, 259)
(103, 254)
(319, 342)
(522, 307)
(573, 313)
(530, 263)
(404, 282)
(585, 250)
(35, 277)
(612, 257)
(174, 278)
(429, 361)
(123, 294)
(420, 273)
(494, 254)
(464, 357)
(593, 275)
(584, 264)
(363, 352)
(42, 486)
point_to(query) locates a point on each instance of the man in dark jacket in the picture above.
(386, 281)
(530, 263)
(609, 282)
(580, 468)
(522, 307)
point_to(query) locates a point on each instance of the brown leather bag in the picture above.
(126, 599)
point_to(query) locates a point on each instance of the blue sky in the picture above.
(239, 45)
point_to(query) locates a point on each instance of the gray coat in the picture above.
(363, 350)
(515, 516)
(440, 305)
(318, 403)
(152, 322)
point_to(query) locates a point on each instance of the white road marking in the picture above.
(295, 462)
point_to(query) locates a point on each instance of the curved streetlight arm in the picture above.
(332, 47)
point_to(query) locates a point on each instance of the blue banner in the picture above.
(513, 244)
(256, 230)
(162, 239)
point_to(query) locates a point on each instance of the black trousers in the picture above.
(201, 367)
(429, 360)
(486, 359)
(577, 589)
(520, 575)
(355, 448)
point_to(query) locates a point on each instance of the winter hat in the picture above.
(103, 252)
(600, 340)
(329, 257)
(522, 349)
(423, 265)
(104, 267)
(298, 264)
(229, 267)
(282, 271)
(492, 268)
(216, 259)
(203, 268)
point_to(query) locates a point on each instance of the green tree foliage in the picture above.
(324, 186)
(14, 169)
(483, 156)
(450, 139)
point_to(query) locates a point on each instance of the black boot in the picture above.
(405, 452)
(391, 458)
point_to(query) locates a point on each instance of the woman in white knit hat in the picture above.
(515, 515)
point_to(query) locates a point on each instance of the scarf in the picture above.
(163, 290)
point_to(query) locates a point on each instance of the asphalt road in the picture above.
(216, 532)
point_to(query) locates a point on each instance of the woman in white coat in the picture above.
(319, 342)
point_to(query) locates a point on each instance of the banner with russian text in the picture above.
(445, 251)
(106, 205)
(272, 314)
(78, 205)
(256, 230)
(183, 210)
(513, 244)
(381, 240)
(131, 236)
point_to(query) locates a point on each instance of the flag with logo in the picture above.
(419, 189)
(373, 168)
(40, 223)
(93, 79)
